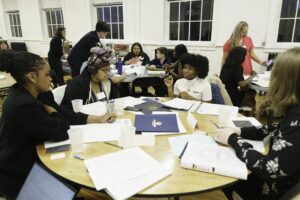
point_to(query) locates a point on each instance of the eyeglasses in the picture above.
(105, 70)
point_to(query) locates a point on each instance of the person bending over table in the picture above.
(136, 56)
(232, 75)
(161, 59)
(192, 86)
(276, 172)
(91, 85)
(29, 116)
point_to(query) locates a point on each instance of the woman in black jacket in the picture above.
(92, 85)
(55, 53)
(29, 116)
(136, 55)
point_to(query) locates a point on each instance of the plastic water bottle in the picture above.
(119, 66)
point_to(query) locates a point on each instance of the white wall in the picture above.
(146, 21)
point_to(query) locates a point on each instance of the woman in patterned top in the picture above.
(276, 172)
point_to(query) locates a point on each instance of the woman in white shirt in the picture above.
(192, 86)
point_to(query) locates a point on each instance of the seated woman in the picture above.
(276, 172)
(232, 75)
(161, 59)
(176, 68)
(29, 116)
(136, 56)
(91, 85)
(192, 86)
(4, 45)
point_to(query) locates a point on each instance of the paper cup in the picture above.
(76, 139)
(77, 105)
(119, 106)
(110, 107)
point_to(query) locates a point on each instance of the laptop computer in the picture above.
(41, 184)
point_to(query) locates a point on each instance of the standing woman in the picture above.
(136, 55)
(55, 53)
(239, 38)
(176, 68)
(4, 45)
(276, 172)
(29, 116)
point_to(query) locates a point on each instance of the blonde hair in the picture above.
(236, 34)
(284, 92)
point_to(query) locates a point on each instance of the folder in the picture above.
(156, 123)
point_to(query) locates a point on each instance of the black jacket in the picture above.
(56, 48)
(79, 88)
(145, 61)
(25, 123)
(81, 51)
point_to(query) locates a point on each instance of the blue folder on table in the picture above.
(156, 123)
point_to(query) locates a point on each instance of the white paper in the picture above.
(123, 122)
(137, 184)
(262, 83)
(144, 140)
(50, 144)
(113, 168)
(57, 156)
(100, 132)
(178, 143)
(131, 101)
(213, 109)
(214, 159)
(97, 108)
(178, 103)
(191, 120)
(2, 76)
(152, 72)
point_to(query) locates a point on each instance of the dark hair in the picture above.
(200, 63)
(163, 50)
(18, 64)
(180, 49)
(5, 42)
(102, 27)
(59, 31)
(137, 44)
(235, 57)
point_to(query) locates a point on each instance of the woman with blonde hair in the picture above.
(239, 38)
(276, 172)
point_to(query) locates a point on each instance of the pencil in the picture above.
(108, 143)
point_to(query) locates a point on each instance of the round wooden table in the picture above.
(181, 182)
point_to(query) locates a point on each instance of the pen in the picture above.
(108, 143)
(214, 124)
(78, 157)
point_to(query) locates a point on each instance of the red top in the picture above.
(248, 44)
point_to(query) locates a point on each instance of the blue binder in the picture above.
(156, 123)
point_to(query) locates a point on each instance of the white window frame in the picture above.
(110, 5)
(15, 29)
(207, 44)
(52, 24)
(273, 28)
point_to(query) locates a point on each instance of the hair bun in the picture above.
(6, 60)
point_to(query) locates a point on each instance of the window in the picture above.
(15, 23)
(191, 20)
(289, 24)
(112, 14)
(55, 19)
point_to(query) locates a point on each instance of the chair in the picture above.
(145, 83)
(59, 93)
(217, 97)
(18, 46)
(225, 95)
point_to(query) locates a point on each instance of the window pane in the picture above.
(48, 17)
(12, 31)
(297, 31)
(114, 14)
(184, 31)
(109, 34)
(206, 31)
(174, 11)
(100, 14)
(298, 14)
(194, 33)
(120, 13)
(15, 19)
(196, 10)
(106, 14)
(288, 8)
(18, 19)
(49, 30)
(58, 17)
(20, 31)
(114, 31)
(184, 11)
(121, 31)
(173, 31)
(285, 30)
(11, 19)
(53, 18)
(208, 6)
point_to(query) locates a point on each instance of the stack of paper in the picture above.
(97, 108)
(181, 104)
(213, 159)
(213, 109)
(125, 173)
